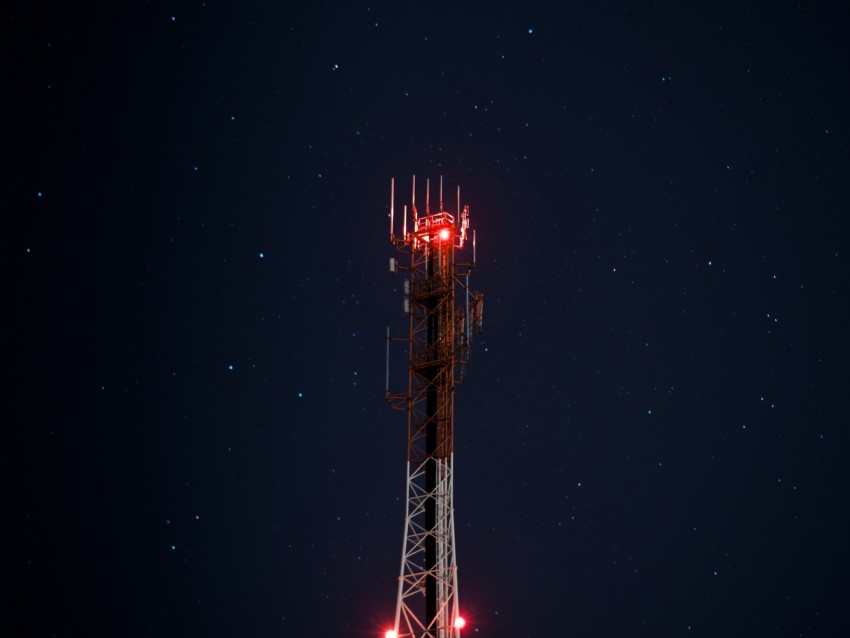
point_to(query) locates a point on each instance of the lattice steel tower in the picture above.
(443, 313)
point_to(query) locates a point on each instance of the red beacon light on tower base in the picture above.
(459, 623)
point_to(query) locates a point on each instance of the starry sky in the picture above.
(649, 441)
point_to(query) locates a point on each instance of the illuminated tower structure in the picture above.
(443, 313)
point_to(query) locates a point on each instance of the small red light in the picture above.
(460, 623)
(445, 233)
(391, 633)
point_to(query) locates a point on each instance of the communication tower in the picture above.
(443, 314)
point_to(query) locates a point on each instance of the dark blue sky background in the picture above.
(650, 439)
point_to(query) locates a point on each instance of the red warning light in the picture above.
(460, 623)
(391, 633)
(445, 233)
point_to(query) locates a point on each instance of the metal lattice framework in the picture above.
(438, 347)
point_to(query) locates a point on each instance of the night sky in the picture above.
(651, 439)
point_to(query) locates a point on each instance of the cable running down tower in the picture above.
(443, 314)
